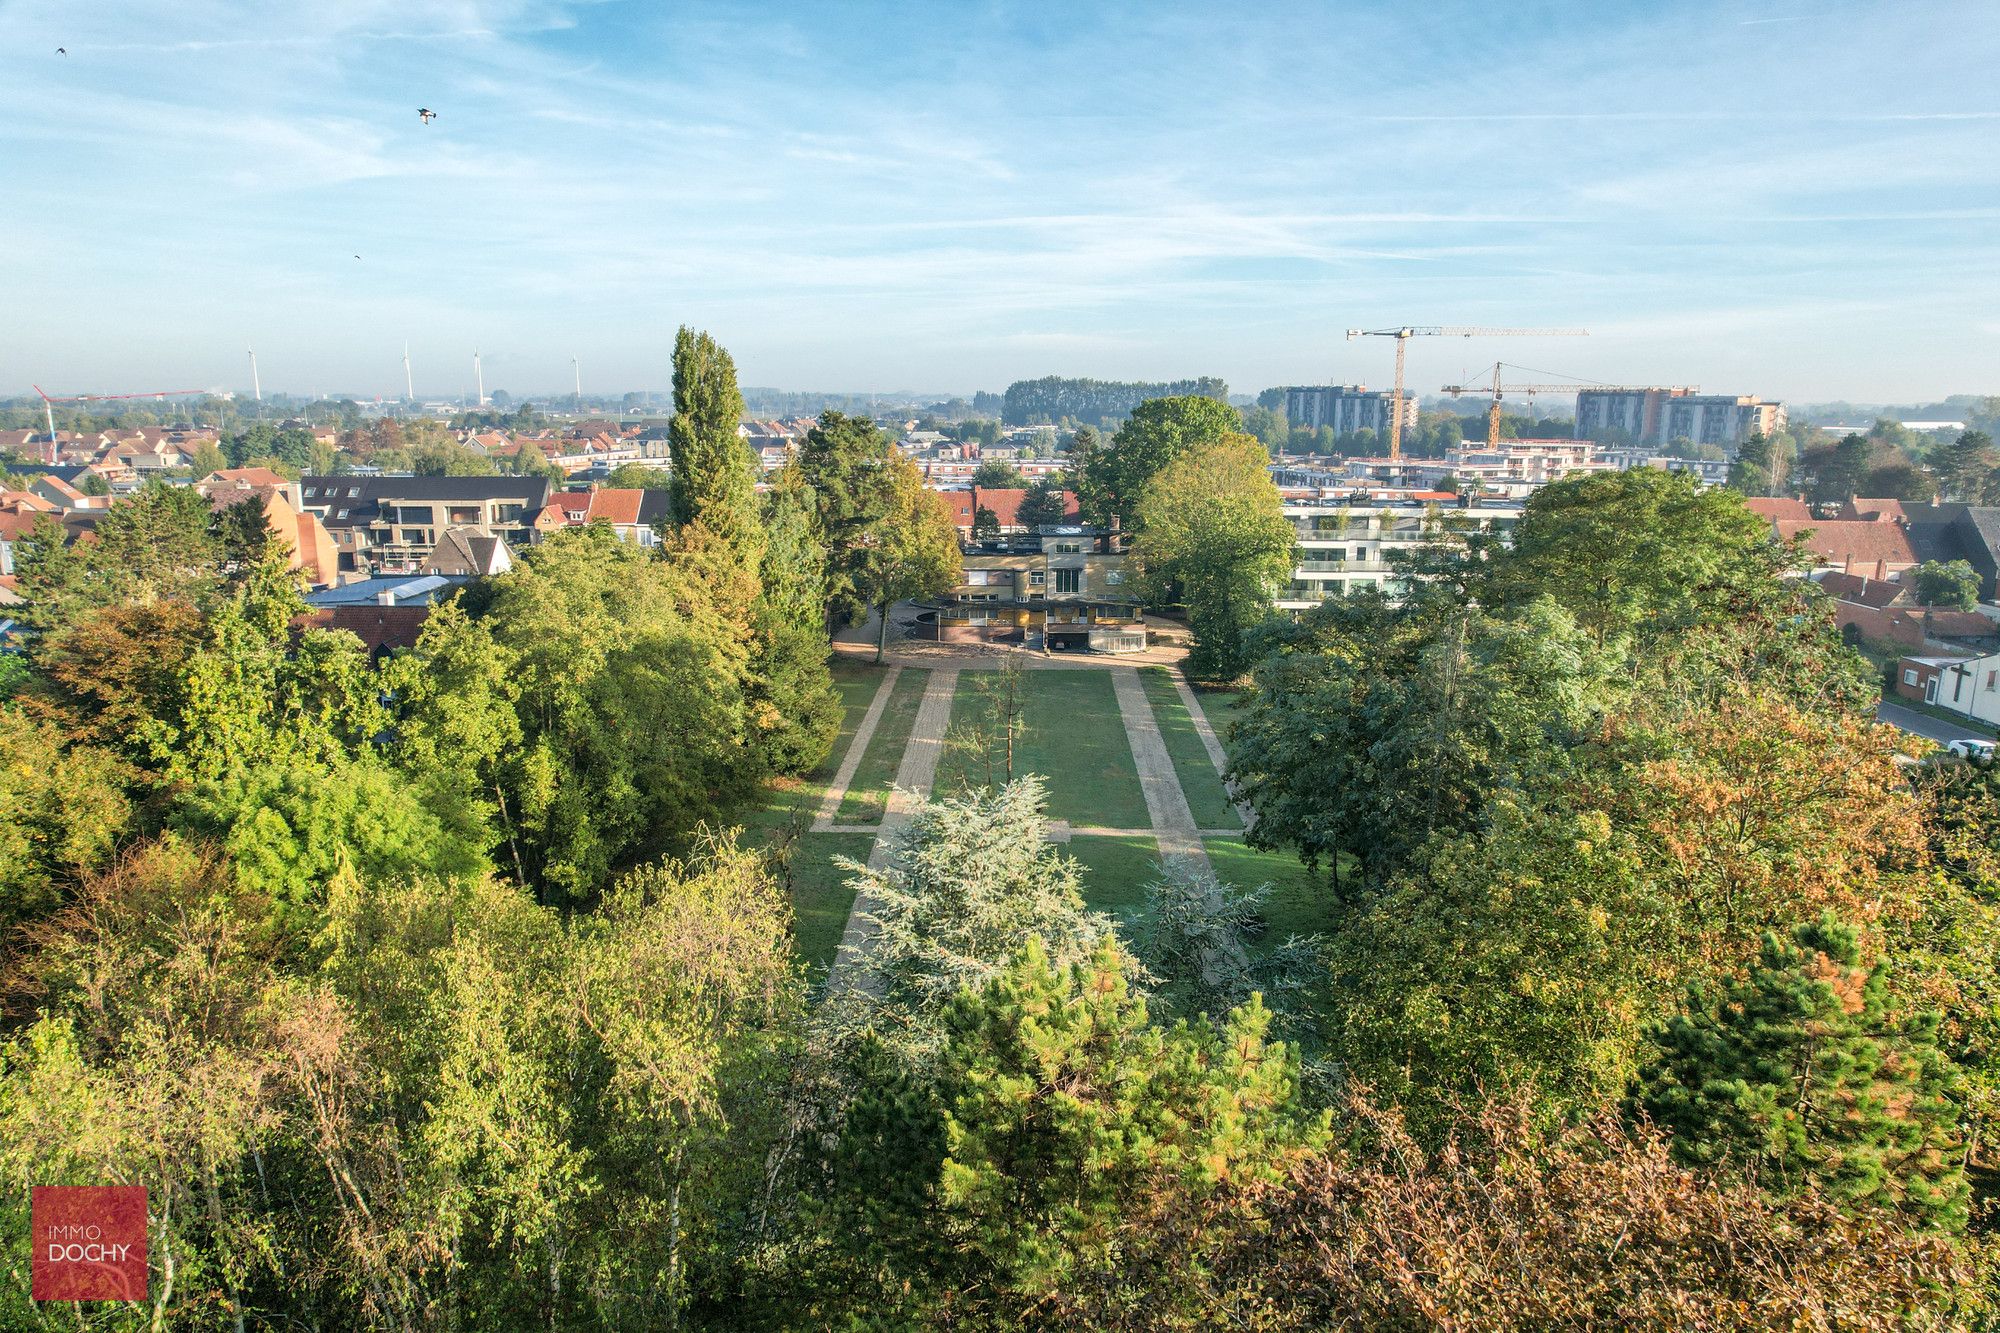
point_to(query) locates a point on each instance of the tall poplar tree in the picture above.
(779, 570)
(714, 478)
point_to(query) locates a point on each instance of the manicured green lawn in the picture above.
(1116, 873)
(961, 768)
(821, 899)
(869, 793)
(1222, 706)
(786, 798)
(1074, 738)
(1299, 901)
(1206, 796)
(1070, 734)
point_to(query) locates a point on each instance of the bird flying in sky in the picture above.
(62, 51)
(426, 115)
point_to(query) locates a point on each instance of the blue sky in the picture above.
(1789, 197)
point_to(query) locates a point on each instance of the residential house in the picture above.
(311, 547)
(635, 515)
(602, 450)
(1067, 591)
(151, 452)
(1971, 533)
(64, 495)
(1874, 548)
(15, 526)
(1004, 501)
(1886, 611)
(469, 553)
(253, 476)
(387, 613)
(1855, 507)
(390, 524)
(1968, 685)
(1917, 677)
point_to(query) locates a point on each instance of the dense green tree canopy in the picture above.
(1094, 402)
(845, 460)
(1158, 431)
(1950, 584)
(1211, 525)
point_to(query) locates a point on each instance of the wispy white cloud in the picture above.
(999, 188)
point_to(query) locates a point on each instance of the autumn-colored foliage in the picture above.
(1503, 1230)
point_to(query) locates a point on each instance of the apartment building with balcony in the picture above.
(1349, 542)
(388, 525)
(1347, 408)
(1656, 416)
(1064, 586)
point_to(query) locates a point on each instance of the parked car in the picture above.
(1972, 751)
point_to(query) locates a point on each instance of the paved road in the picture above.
(1925, 725)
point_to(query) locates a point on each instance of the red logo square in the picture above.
(90, 1243)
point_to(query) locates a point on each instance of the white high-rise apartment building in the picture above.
(1655, 416)
(1346, 408)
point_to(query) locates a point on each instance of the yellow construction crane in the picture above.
(1409, 331)
(1497, 388)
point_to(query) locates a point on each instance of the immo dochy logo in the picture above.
(90, 1242)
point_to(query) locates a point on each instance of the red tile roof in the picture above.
(617, 505)
(1879, 510)
(1905, 625)
(247, 476)
(380, 628)
(1777, 506)
(1859, 546)
(1005, 502)
(16, 524)
(1859, 588)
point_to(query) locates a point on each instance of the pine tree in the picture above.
(1066, 1110)
(1804, 1071)
(1968, 468)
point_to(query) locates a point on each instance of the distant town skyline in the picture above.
(1761, 200)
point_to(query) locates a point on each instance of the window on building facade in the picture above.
(1036, 579)
(1909, 677)
(1069, 580)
